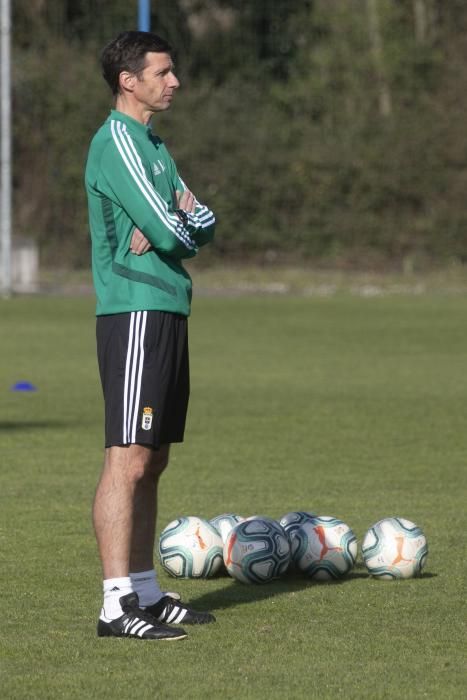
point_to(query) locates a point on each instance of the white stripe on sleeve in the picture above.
(127, 151)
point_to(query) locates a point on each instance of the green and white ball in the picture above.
(190, 547)
(225, 522)
(256, 550)
(394, 548)
(324, 548)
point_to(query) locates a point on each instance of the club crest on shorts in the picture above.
(146, 422)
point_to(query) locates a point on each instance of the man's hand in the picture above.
(185, 200)
(139, 243)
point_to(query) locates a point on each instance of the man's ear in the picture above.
(127, 81)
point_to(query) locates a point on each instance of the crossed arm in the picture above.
(184, 200)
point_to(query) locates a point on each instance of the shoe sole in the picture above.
(143, 639)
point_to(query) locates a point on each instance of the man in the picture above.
(144, 221)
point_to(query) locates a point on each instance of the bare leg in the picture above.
(145, 513)
(125, 468)
(124, 513)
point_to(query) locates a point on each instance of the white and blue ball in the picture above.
(394, 548)
(225, 522)
(257, 550)
(324, 548)
(190, 547)
(292, 521)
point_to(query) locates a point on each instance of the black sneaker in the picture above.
(136, 623)
(174, 611)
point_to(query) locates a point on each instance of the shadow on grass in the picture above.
(236, 593)
(31, 425)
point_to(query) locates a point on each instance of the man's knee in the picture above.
(159, 460)
(138, 462)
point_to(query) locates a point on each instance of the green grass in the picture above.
(353, 407)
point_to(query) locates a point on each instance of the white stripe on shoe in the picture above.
(128, 625)
(144, 629)
(176, 615)
(137, 625)
(180, 617)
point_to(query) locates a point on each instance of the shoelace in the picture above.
(169, 605)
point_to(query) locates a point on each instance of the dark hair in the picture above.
(127, 53)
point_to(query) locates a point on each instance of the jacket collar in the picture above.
(133, 124)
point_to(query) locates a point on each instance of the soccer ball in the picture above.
(256, 550)
(190, 547)
(225, 522)
(291, 521)
(266, 518)
(394, 548)
(324, 548)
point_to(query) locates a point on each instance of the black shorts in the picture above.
(144, 369)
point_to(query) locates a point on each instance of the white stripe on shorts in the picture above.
(133, 375)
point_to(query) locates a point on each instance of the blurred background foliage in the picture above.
(332, 131)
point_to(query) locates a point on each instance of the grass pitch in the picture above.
(346, 406)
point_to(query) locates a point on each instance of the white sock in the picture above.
(146, 586)
(114, 589)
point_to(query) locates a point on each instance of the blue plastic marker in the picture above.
(23, 386)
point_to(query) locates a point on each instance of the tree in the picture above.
(331, 129)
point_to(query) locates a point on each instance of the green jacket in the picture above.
(130, 182)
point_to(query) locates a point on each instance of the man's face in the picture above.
(157, 83)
